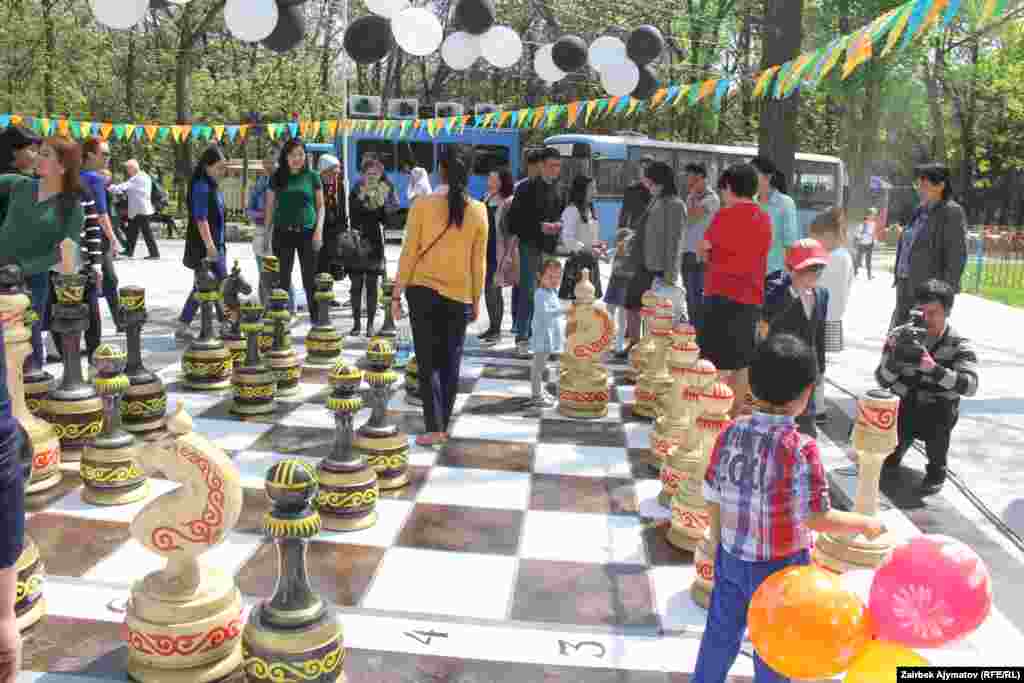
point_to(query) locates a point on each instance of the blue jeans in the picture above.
(220, 271)
(693, 280)
(39, 291)
(529, 263)
(735, 583)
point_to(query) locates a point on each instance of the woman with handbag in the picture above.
(442, 271)
(579, 236)
(363, 245)
(295, 214)
(500, 188)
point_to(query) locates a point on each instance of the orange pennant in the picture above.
(63, 127)
(658, 97)
(151, 131)
(105, 130)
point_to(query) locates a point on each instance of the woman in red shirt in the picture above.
(735, 251)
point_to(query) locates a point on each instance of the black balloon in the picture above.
(290, 29)
(569, 53)
(368, 39)
(647, 86)
(475, 17)
(645, 44)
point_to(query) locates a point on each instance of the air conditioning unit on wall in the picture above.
(364, 106)
(403, 109)
(443, 110)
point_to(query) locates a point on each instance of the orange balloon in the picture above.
(878, 662)
(805, 625)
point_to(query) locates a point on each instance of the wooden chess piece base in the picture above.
(144, 405)
(185, 640)
(583, 405)
(704, 582)
(29, 603)
(236, 347)
(255, 391)
(37, 391)
(315, 653)
(841, 554)
(112, 476)
(287, 369)
(648, 395)
(688, 526)
(207, 369)
(346, 500)
(323, 347)
(46, 456)
(76, 420)
(387, 454)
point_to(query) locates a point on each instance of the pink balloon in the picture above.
(932, 590)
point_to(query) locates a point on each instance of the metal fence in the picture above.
(995, 259)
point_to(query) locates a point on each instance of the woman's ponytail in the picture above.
(457, 176)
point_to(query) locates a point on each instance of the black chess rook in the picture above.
(255, 384)
(207, 362)
(145, 402)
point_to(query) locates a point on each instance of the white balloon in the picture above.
(501, 46)
(605, 51)
(544, 65)
(460, 50)
(620, 79)
(251, 20)
(417, 31)
(119, 14)
(387, 8)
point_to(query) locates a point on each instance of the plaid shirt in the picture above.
(767, 479)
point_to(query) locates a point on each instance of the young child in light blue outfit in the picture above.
(548, 330)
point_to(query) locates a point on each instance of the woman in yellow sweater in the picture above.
(441, 272)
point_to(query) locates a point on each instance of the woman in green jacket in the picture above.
(44, 222)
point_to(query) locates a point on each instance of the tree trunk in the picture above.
(50, 32)
(938, 121)
(746, 90)
(782, 36)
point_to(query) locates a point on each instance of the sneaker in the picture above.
(543, 401)
(523, 348)
(933, 481)
(183, 332)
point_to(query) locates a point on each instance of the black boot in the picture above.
(357, 317)
(933, 480)
(371, 313)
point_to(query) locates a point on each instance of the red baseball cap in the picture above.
(806, 253)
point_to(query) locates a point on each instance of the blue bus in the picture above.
(613, 161)
(494, 149)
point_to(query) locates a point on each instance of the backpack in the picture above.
(158, 196)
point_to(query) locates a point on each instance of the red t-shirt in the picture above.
(740, 238)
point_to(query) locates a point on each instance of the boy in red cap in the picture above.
(796, 305)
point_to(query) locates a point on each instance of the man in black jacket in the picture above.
(535, 219)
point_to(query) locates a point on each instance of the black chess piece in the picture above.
(38, 382)
(109, 470)
(207, 362)
(348, 494)
(235, 287)
(145, 402)
(323, 343)
(270, 276)
(254, 382)
(292, 636)
(281, 357)
(73, 408)
(388, 328)
(385, 445)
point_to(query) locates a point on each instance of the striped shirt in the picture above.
(954, 375)
(92, 233)
(767, 479)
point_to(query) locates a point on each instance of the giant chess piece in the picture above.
(640, 354)
(677, 415)
(387, 330)
(412, 382)
(698, 378)
(347, 499)
(293, 636)
(255, 384)
(73, 408)
(875, 436)
(689, 510)
(281, 358)
(207, 362)
(38, 382)
(145, 403)
(29, 605)
(386, 446)
(184, 621)
(45, 443)
(270, 279)
(323, 343)
(235, 286)
(583, 381)
(110, 472)
(655, 382)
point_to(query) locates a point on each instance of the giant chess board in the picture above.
(529, 548)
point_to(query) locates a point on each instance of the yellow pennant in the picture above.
(591, 105)
(105, 129)
(633, 103)
(86, 128)
(332, 128)
(658, 97)
(837, 52)
(243, 130)
(683, 97)
(16, 120)
(538, 115)
(218, 132)
(129, 130)
(44, 123)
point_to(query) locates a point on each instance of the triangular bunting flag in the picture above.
(673, 93)
(683, 98)
(917, 15)
(162, 133)
(632, 106)
(43, 126)
(151, 132)
(62, 127)
(659, 97)
(898, 27)
(85, 128)
(538, 116)
(573, 110)
(293, 129)
(105, 130)
(232, 132)
(721, 89)
(793, 78)
(706, 88)
(838, 50)
(5, 120)
(505, 115)
(129, 130)
(218, 132)
(15, 120)
(119, 131)
(621, 104)
(591, 105)
(332, 128)
(993, 8)
(859, 51)
(952, 9)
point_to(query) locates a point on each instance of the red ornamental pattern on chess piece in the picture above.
(690, 520)
(706, 571)
(585, 396)
(210, 527)
(45, 458)
(602, 342)
(880, 418)
(160, 645)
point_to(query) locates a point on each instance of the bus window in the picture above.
(815, 185)
(489, 158)
(412, 154)
(572, 167)
(384, 150)
(611, 177)
(684, 157)
(638, 153)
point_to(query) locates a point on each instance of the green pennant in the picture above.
(162, 133)
(602, 106)
(781, 78)
(119, 131)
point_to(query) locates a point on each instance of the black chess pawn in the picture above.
(347, 499)
(388, 328)
(109, 470)
(145, 402)
(270, 277)
(207, 362)
(282, 358)
(235, 287)
(254, 382)
(73, 408)
(385, 446)
(38, 382)
(292, 636)
(323, 343)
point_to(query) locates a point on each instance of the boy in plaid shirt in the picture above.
(766, 491)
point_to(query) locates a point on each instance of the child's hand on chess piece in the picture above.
(873, 529)
(10, 650)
